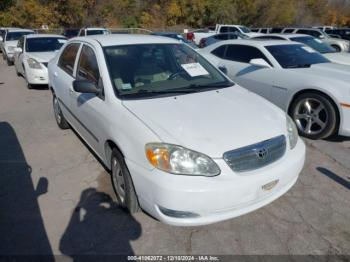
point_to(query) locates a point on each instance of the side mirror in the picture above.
(85, 86)
(321, 37)
(18, 50)
(1, 39)
(223, 69)
(260, 63)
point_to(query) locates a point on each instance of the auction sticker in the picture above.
(195, 69)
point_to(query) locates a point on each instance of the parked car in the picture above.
(3, 31)
(10, 42)
(196, 36)
(343, 33)
(176, 36)
(207, 41)
(32, 54)
(93, 31)
(338, 44)
(170, 127)
(325, 27)
(71, 32)
(317, 44)
(263, 30)
(298, 79)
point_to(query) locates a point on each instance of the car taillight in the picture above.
(190, 36)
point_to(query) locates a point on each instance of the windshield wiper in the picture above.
(299, 66)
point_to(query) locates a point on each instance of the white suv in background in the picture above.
(182, 141)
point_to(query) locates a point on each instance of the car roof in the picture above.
(259, 43)
(127, 39)
(44, 35)
(289, 35)
(94, 28)
(20, 30)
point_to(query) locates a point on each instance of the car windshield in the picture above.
(149, 70)
(14, 36)
(296, 56)
(315, 43)
(44, 44)
(245, 29)
(96, 32)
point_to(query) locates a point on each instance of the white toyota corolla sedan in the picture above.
(33, 53)
(182, 141)
(314, 91)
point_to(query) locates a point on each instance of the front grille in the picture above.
(256, 156)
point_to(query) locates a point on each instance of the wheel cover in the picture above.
(57, 110)
(118, 180)
(311, 116)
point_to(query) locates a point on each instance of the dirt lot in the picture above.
(56, 198)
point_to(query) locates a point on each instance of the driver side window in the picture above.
(88, 66)
(243, 54)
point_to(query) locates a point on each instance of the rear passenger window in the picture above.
(243, 54)
(220, 51)
(67, 59)
(88, 67)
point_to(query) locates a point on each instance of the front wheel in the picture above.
(315, 116)
(60, 120)
(337, 48)
(122, 183)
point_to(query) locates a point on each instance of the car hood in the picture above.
(42, 57)
(253, 34)
(331, 72)
(340, 58)
(10, 43)
(211, 122)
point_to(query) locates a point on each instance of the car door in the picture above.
(89, 108)
(256, 79)
(62, 79)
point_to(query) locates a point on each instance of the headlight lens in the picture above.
(292, 132)
(181, 161)
(33, 63)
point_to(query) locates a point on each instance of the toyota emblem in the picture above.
(262, 153)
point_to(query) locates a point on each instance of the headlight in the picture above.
(292, 132)
(181, 161)
(33, 63)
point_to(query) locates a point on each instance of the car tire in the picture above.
(9, 63)
(17, 73)
(60, 119)
(122, 183)
(315, 115)
(337, 48)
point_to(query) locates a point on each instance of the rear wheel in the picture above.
(337, 48)
(122, 183)
(314, 115)
(60, 120)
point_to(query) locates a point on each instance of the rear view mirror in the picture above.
(260, 63)
(85, 86)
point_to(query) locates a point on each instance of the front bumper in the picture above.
(37, 76)
(10, 56)
(218, 198)
(344, 129)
